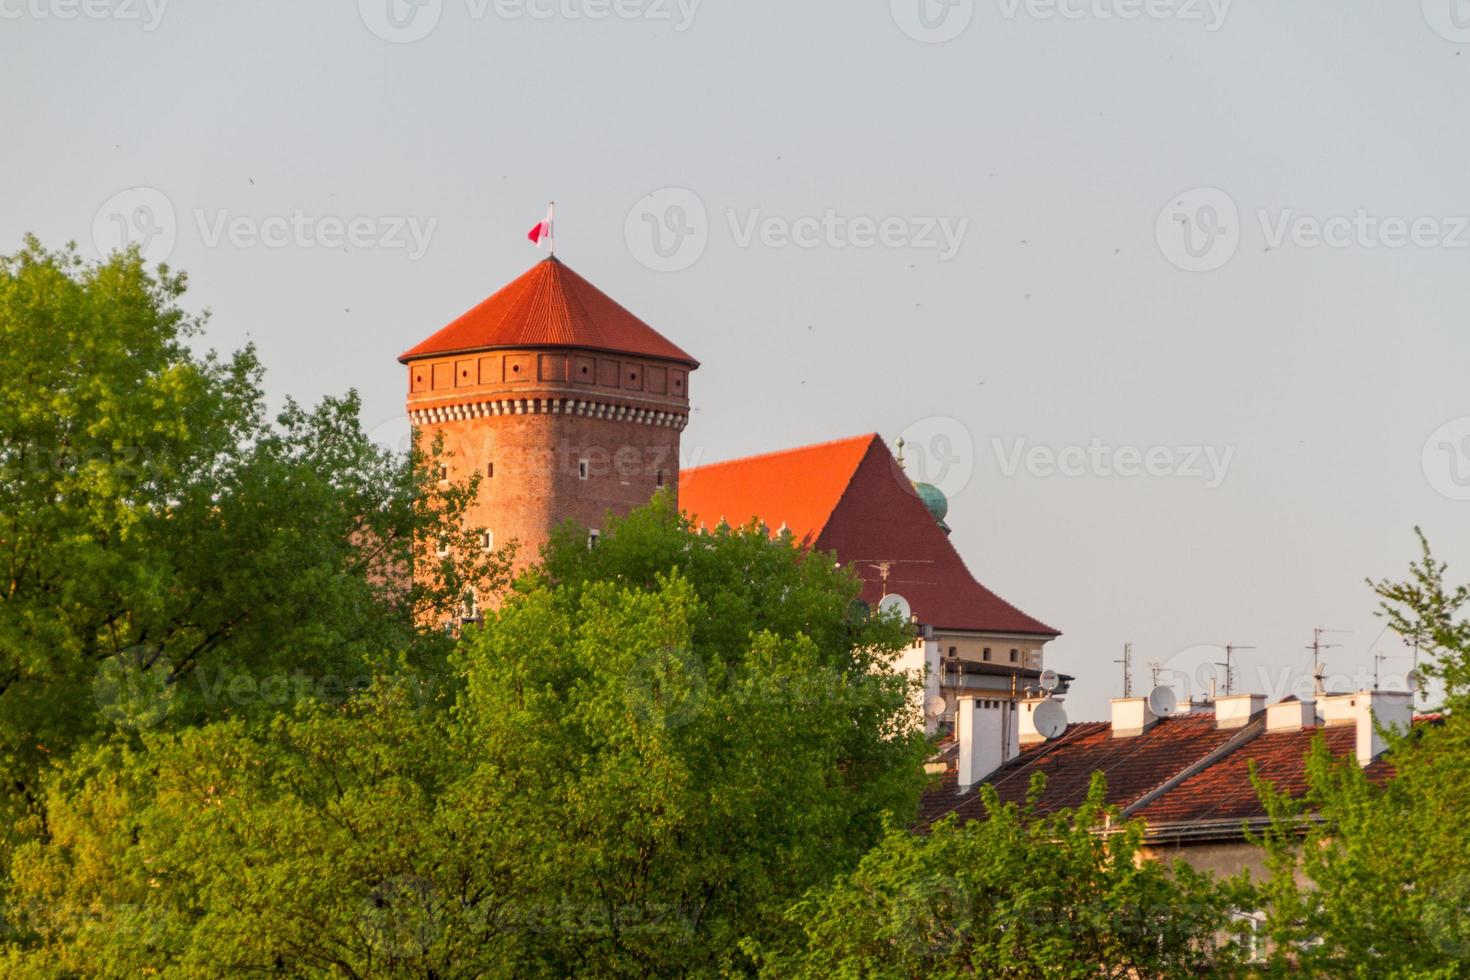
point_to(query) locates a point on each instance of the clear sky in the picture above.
(1045, 238)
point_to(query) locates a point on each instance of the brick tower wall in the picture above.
(553, 434)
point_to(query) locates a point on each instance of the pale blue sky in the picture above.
(1059, 140)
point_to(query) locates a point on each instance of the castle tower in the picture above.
(565, 403)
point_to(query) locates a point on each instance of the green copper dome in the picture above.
(935, 500)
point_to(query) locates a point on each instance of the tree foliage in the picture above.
(646, 753)
(1019, 894)
(1370, 879)
(170, 554)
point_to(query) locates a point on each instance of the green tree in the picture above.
(1019, 894)
(1372, 879)
(653, 749)
(165, 547)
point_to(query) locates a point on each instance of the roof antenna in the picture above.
(1229, 666)
(1156, 668)
(1127, 663)
(1317, 647)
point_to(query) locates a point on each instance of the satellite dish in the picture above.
(1162, 701)
(1049, 680)
(1050, 719)
(895, 603)
(935, 705)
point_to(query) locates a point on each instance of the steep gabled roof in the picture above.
(550, 306)
(851, 497)
(798, 488)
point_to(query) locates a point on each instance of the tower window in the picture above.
(1015, 654)
(443, 472)
(490, 470)
(582, 469)
(660, 478)
(487, 541)
(985, 654)
(471, 605)
(954, 651)
(593, 537)
(443, 549)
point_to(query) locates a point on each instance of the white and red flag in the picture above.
(545, 230)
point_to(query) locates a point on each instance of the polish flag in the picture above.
(543, 229)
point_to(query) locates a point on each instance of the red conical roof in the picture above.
(550, 306)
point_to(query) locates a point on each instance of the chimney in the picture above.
(1132, 717)
(1028, 733)
(1238, 710)
(1291, 714)
(1391, 709)
(988, 733)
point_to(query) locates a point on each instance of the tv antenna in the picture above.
(1156, 669)
(885, 566)
(1317, 647)
(1378, 660)
(1127, 662)
(1229, 666)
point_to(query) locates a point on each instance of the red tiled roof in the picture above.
(550, 306)
(796, 487)
(1224, 790)
(1133, 766)
(851, 497)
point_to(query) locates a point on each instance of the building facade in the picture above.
(565, 404)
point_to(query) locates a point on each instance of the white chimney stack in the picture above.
(988, 733)
(1132, 717)
(1366, 710)
(1238, 710)
(1291, 715)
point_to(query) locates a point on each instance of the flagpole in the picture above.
(552, 230)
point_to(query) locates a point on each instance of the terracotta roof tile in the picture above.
(796, 487)
(1133, 766)
(851, 497)
(1224, 790)
(550, 306)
